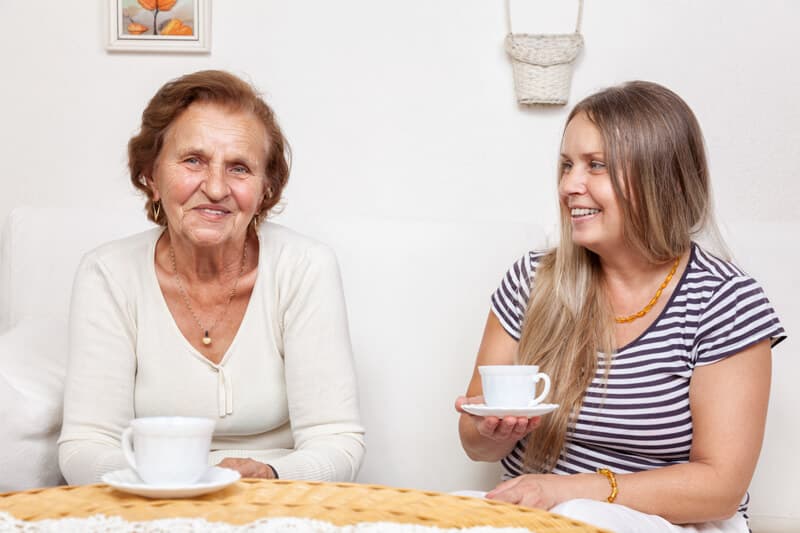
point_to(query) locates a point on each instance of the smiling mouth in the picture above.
(580, 212)
(212, 212)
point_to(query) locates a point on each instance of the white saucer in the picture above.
(215, 478)
(481, 409)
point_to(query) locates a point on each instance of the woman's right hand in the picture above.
(248, 467)
(490, 438)
(508, 429)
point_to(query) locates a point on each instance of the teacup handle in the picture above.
(127, 447)
(546, 378)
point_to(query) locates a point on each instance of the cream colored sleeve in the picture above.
(98, 391)
(320, 377)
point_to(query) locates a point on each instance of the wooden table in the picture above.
(251, 499)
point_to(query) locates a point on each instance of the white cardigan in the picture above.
(284, 393)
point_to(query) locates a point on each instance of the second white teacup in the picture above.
(512, 385)
(168, 450)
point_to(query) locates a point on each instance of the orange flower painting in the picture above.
(182, 26)
(168, 18)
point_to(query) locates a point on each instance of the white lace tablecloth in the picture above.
(106, 524)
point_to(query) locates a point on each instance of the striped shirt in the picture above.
(641, 420)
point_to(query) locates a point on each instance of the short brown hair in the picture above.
(215, 86)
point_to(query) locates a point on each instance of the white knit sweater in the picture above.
(284, 393)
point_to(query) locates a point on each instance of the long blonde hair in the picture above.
(655, 153)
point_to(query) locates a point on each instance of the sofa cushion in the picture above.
(417, 293)
(33, 357)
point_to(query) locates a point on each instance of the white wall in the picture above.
(406, 108)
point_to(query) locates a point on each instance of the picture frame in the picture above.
(181, 26)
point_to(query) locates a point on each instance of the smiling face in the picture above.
(210, 174)
(585, 189)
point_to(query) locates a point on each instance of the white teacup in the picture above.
(168, 450)
(512, 385)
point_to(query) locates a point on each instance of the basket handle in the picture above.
(577, 24)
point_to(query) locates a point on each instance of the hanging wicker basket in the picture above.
(542, 64)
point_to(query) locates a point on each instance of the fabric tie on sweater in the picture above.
(224, 391)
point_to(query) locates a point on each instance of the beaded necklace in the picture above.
(653, 300)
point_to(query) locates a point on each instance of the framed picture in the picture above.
(159, 25)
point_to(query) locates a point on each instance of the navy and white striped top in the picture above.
(642, 419)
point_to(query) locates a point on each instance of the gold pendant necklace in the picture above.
(653, 300)
(206, 331)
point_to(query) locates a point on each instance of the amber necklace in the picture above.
(653, 300)
(206, 331)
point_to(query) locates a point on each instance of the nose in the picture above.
(573, 181)
(215, 186)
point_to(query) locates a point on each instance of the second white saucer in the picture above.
(215, 478)
(481, 409)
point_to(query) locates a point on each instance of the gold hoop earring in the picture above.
(156, 211)
(255, 221)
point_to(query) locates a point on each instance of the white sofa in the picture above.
(417, 294)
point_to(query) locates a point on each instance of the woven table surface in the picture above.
(252, 499)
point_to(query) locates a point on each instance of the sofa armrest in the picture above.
(33, 357)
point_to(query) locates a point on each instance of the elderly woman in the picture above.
(658, 350)
(215, 313)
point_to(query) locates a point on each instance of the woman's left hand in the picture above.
(247, 467)
(534, 490)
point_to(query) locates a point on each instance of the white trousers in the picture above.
(621, 519)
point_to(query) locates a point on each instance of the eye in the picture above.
(192, 160)
(566, 166)
(240, 170)
(597, 166)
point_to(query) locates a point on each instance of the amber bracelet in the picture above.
(612, 479)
